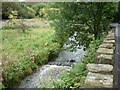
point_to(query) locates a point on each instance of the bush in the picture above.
(30, 13)
(38, 6)
(22, 53)
(24, 11)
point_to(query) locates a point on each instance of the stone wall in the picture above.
(100, 74)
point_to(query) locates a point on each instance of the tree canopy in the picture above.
(88, 19)
(24, 11)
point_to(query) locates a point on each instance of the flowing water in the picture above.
(51, 71)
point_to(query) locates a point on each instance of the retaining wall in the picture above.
(100, 74)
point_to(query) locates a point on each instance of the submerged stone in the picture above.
(71, 61)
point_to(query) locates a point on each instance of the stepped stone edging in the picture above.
(95, 80)
(109, 41)
(105, 59)
(100, 68)
(108, 46)
(100, 75)
(109, 38)
(105, 51)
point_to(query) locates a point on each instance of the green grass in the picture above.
(22, 53)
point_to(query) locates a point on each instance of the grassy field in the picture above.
(22, 53)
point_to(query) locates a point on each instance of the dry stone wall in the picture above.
(100, 74)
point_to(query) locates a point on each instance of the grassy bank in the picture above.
(22, 53)
(76, 76)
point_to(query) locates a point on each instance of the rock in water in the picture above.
(52, 73)
(71, 61)
(43, 76)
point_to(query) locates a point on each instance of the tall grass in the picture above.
(22, 53)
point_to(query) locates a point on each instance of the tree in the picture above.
(119, 11)
(7, 7)
(24, 11)
(89, 20)
(38, 7)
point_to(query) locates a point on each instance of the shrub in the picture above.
(30, 13)
(38, 6)
(22, 53)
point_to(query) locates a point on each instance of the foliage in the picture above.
(118, 11)
(28, 12)
(89, 20)
(23, 10)
(76, 76)
(1, 85)
(116, 15)
(7, 7)
(16, 23)
(31, 13)
(22, 26)
(42, 13)
(52, 13)
(38, 7)
(22, 53)
(13, 16)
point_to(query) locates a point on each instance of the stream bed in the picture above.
(52, 70)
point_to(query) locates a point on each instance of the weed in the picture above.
(22, 53)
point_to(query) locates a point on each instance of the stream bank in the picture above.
(53, 69)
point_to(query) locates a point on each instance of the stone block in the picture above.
(105, 59)
(95, 80)
(105, 51)
(109, 41)
(110, 38)
(100, 68)
(111, 35)
(105, 45)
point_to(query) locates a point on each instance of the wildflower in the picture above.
(46, 44)
(17, 68)
(6, 61)
(0, 63)
(1, 79)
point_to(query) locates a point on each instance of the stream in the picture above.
(52, 70)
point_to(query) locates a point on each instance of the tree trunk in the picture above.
(97, 20)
